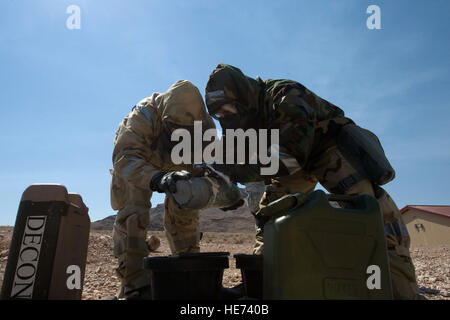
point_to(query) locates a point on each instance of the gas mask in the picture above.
(168, 129)
(234, 116)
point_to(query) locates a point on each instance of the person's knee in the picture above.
(129, 237)
(403, 276)
(138, 220)
(119, 240)
(182, 228)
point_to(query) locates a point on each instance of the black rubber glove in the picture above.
(165, 181)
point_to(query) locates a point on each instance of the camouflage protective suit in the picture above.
(142, 149)
(309, 127)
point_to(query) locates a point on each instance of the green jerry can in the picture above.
(315, 251)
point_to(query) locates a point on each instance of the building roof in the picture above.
(438, 210)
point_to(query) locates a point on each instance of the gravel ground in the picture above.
(432, 263)
(100, 278)
(433, 271)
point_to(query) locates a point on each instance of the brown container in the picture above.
(47, 256)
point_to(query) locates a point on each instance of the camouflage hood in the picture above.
(227, 84)
(181, 104)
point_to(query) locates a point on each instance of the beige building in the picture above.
(427, 225)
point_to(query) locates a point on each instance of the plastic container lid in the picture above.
(188, 262)
(249, 261)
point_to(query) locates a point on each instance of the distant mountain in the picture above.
(211, 220)
(104, 224)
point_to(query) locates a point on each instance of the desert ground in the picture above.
(432, 263)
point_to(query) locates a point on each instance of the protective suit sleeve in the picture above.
(296, 120)
(133, 148)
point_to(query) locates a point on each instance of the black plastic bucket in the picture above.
(251, 266)
(187, 276)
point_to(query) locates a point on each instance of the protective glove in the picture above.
(166, 181)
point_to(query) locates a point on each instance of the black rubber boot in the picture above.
(233, 293)
(144, 293)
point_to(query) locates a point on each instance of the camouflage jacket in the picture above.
(307, 125)
(305, 121)
(141, 146)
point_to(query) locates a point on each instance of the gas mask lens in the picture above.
(225, 111)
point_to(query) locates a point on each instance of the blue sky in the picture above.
(64, 92)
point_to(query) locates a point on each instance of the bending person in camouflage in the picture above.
(142, 164)
(317, 143)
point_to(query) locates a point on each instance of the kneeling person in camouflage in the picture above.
(317, 143)
(142, 164)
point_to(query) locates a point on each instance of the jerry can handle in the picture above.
(354, 200)
(281, 206)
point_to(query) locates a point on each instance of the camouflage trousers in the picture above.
(330, 168)
(182, 229)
